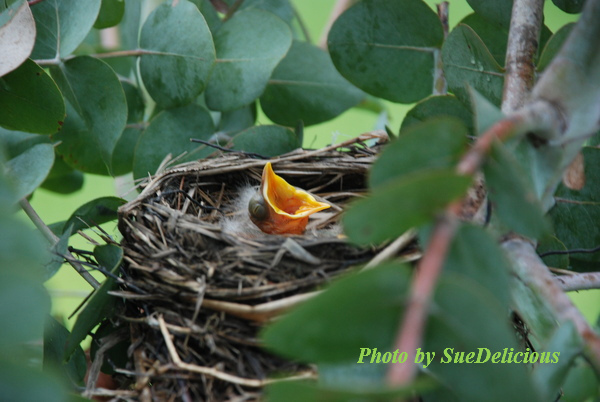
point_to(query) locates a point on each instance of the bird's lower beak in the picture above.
(280, 208)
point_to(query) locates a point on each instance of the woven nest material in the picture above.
(205, 284)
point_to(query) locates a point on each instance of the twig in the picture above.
(53, 240)
(572, 251)
(523, 40)
(220, 148)
(388, 252)
(339, 7)
(302, 25)
(209, 371)
(579, 281)
(34, 2)
(234, 7)
(532, 271)
(440, 85)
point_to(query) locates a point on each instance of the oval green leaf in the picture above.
(29, 169)
(405, 203)
(17, 36)
(30, 101)
(439, 105)
(360, 311)
(93, 213)
(306, 86)
(62, 25)
(249, 47)
(169, 133)
(553, 45)
(388, 48)
(100, 305)
(267, 141)
(179, 53)
(122, 158)
(111, 13)
(434, 144)
(98, 100)
(570, 6)
(468, 61)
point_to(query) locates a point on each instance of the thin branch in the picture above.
(523, 41)
(532, 271)
(53, 240)
(440, 86)
(579, 281)
(34, 2)
(339, 7)
(572, 251)
(302, 25)
(234, 7)
(105, 55)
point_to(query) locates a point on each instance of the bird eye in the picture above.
(257, 207)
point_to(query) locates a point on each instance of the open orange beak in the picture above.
(280, 208)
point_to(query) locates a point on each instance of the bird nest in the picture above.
(205, 282)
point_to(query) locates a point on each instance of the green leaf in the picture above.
(268, 141)
(24, 302)
(581, 383)
(101, 303)
(21, 383)
(498, 11)
(249, 47)
(467, 318)
(476, 255)
(57, 252)
(281, 8)
(388, 48)
(55, 338)
(95, 94)
(95, 212)
(62, 25)
(180, 53)
(468, 61)
(359, 311)
(442, 105)
(30, 101)
(236, 120)
(563, 347)
(551, 243)
(576, 213)
(169, 133)
(512, 194)
(407, 202)
(570, 6)
(122, 158)
(17, 30)
(485, 113)
(111, 13)
(289, 391)
(209, 13)
(495, 36)
(306, 86)
(28, 170)
(553, 46)
(434, 144)
(62, 179)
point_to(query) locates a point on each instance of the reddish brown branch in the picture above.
(34, 2)
(430, 267)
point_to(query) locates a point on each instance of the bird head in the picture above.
(280, 208)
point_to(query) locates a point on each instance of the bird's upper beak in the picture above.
(280, 208)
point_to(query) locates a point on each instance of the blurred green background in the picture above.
(68, 289)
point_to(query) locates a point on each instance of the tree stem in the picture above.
(523, 41)
(53, 239)
(580, 281)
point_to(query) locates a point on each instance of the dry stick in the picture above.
(53, 240)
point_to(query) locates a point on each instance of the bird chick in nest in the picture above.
(276, 207)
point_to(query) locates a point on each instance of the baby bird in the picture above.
(280, 208)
